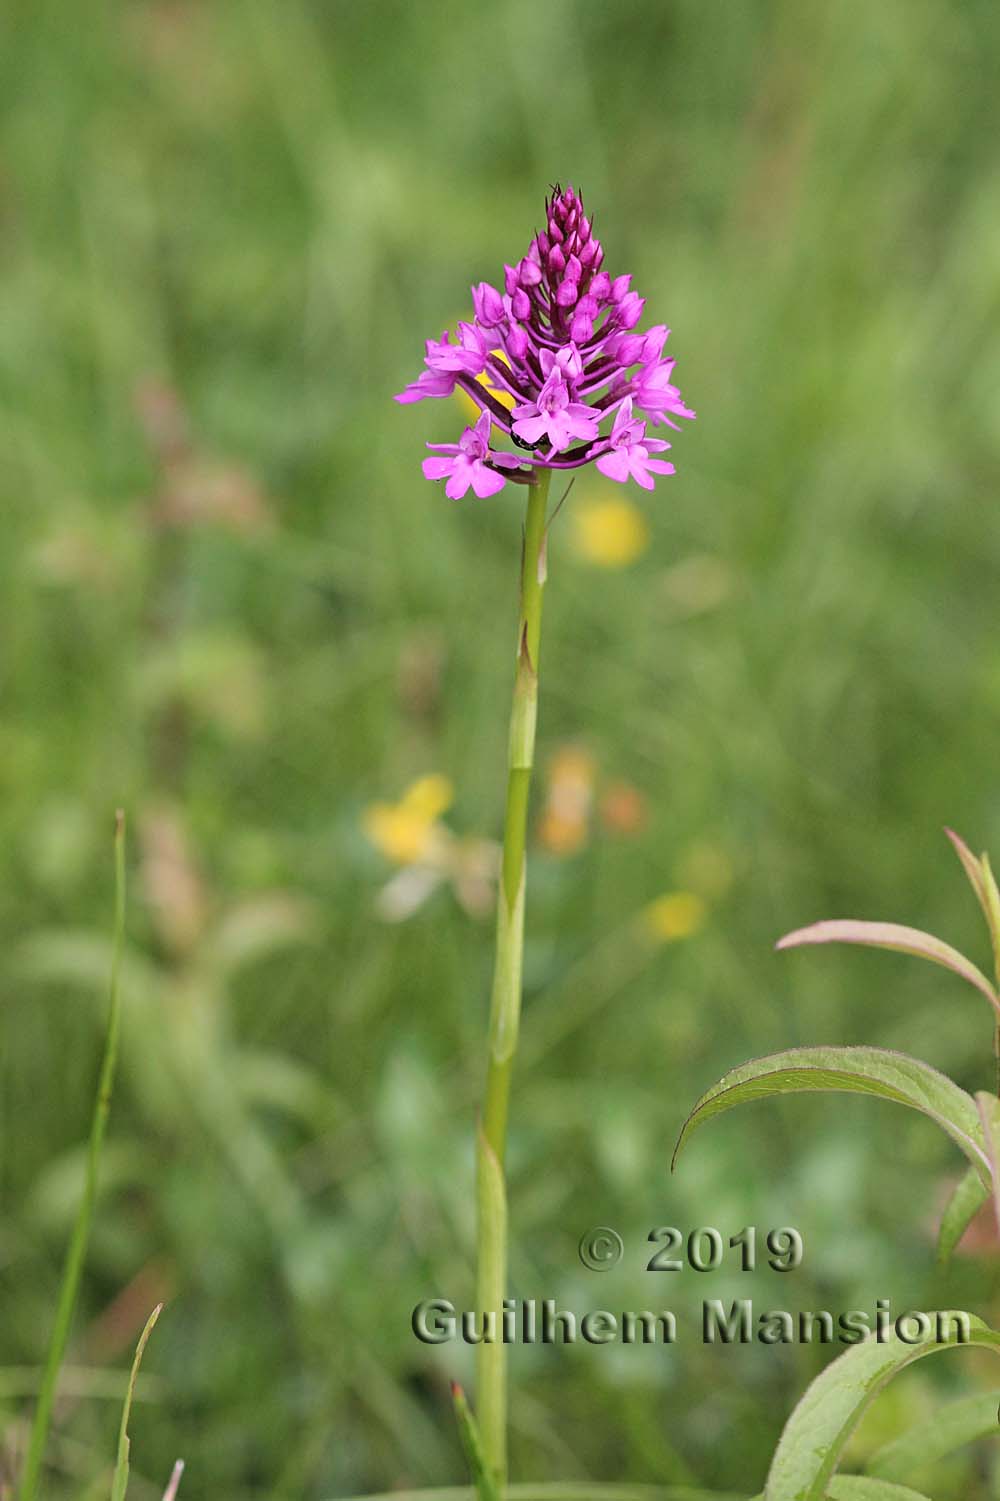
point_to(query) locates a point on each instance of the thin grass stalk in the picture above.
(505, 1005)
(77, 1249)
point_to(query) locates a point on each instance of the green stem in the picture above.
(505, 1006)
(77, 1249)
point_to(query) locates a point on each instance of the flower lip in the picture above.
(470, 463)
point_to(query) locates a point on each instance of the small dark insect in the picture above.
(521, 443)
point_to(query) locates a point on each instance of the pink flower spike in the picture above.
(557, 340)
(628, 457)
(465, 464)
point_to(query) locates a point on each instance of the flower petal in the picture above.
(486, 481)
(531, 429)
(614, 465)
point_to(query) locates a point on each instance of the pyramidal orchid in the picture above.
(562, 378)
(560, 341)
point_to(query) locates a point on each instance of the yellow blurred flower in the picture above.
(609, 533)
(675, 915)
(411, 834)
(565, 819)
(407, 831)
(465, 401)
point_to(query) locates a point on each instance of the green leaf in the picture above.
(814, 1436)
(989, 1114)
(864, 1488)
(950, 1428)
(991, 897)
(119, 1481)
(491, 1285)
(563, 1490)
(891, 935)
(968, 1196)
(76, 1251)
(973, 869)
(873, 1071)
(486, 1486)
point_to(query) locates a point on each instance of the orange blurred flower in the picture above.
(623, 808)
(565, 820)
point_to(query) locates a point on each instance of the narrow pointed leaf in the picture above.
(119, 1481)
(170, 1494)
(950, 1428)
(972, 867)
(468, 1428)
(491, 1287)
(989, 1114)
(891, 935)
(76, 1251)
(872, 1071)
(813, 1439)
(563, 1490)
(992, 902)
(968, 1196)
(865, 1488)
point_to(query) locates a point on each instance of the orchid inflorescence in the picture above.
(560, 342)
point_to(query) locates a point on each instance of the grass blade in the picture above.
(119, 1482)
(77, 1249)
(486, 1486)
(170, 1493)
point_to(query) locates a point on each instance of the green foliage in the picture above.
(871, 1071)
(119, 1480)
(965, 1201)
(815, 1434)
(232, 604)
(76, 1250)
(952, 1426)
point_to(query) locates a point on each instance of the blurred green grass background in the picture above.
(232, 604)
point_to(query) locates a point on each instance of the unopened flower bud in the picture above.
(581, 328)
(517, 342)
(630, 310)
(487, 304)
